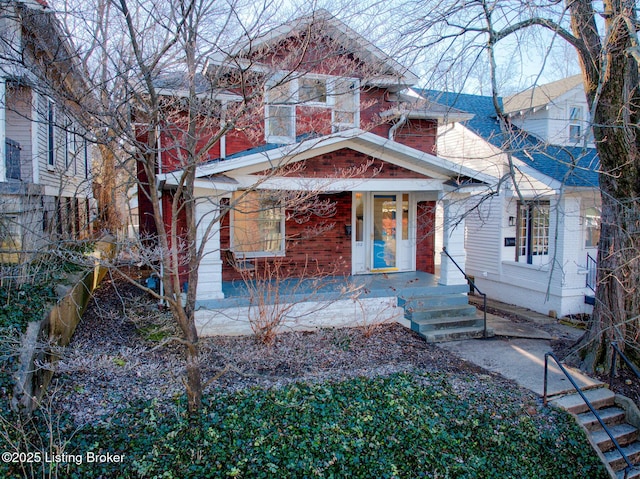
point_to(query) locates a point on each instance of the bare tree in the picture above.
(605, 39)
(171, 80)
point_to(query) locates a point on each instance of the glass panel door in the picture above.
(384, 232)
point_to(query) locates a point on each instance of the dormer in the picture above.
(557, 113)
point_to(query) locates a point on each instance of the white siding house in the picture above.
(45, 159)
(529, 244)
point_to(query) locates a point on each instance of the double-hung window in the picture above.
(257, 222)
(575, 123)
(533, 232)
(283, 93)
(280, 111)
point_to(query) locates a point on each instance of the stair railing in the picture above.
(473, 285)
(587, 402)
(612, 370)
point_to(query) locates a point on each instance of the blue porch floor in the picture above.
(402, 285)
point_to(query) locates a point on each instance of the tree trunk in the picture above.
(610, 78)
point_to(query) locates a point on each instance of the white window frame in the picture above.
(51, 134)
(234, 221)
(532, 241)
(333, 95)
(288, 104)
(591, 221)
(576, 116)
(292, 100)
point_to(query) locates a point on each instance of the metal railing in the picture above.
(470, 280)
(587, 402)
(592, 269)
(612, 371)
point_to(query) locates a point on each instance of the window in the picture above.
(257, 225)
(591, 227)
(51, 140)
(280, 112)
(69, 146)
(575, 123)
(312, 90)
(341, 95)
(533, 232)
(346, 104)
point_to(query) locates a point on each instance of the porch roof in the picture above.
(358, 140)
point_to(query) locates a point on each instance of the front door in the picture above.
(383, 240)
(385, 216)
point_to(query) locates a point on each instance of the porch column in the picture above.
(3, 123)
(453, 241)
(210, 271)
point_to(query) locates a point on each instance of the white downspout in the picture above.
(394, 128)
(161, 210)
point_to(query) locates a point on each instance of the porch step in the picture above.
(455, 334)
(440, 312)
(426, 302)
(427, 325)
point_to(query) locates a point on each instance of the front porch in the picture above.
(415, 299)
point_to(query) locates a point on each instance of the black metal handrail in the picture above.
(484, 296)
(587, 402)
(592, 269)
(612, 371)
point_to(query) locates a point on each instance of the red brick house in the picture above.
(332, 120)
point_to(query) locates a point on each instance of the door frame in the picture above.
(362, 251)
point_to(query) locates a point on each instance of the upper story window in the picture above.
(283, 95)
(575, 123)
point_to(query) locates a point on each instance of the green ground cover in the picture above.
(400, 426)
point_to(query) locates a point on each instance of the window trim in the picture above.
(586, 226)
(575, 122)
(233, 220)
(292, 101)
(528, 245)
(51, 134)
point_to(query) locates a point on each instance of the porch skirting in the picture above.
(304, 316)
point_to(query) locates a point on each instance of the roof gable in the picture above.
(322, 25)
(379, 148)
(537, 97)
(573, 166)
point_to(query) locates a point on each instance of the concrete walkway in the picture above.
(517, 352)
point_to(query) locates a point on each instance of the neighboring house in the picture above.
(535, 243)
(45, 184)
(331, 120)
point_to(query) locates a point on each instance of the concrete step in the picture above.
(633, 473)
(624, 433)
(455, 334)
(615, 460)
(435, 324)
(428, 302)
(440, 312)
(599, 398)
(610, 415)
